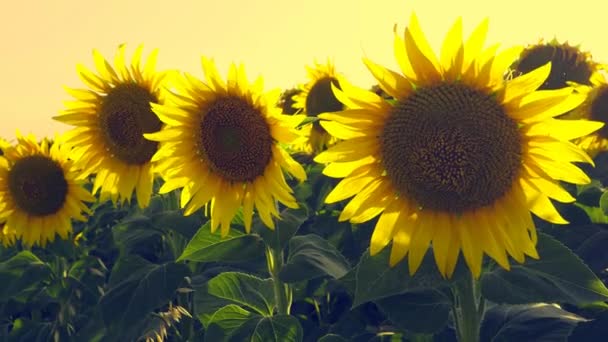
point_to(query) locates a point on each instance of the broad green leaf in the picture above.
(424, 311)
(20, 273)
(226, 320)
(593, 251)
(133, 238)
(207, 247)
(205, 304)
(244, 289)
(530, 322)
(558, 276)
(134, 298)
(589, 194)
(377, 280)
(279, 328)
(176, 221)
(286, 227)
(311, 256)
(129, 268)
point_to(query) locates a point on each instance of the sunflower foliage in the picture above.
(187, 209)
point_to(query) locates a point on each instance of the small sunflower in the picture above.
(568, 63)
(222, 144)
(39, 191)
(594, 108)
(286, 101)
(110, 120)
(460, 159)
(317, 97)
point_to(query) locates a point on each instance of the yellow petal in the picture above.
(524, 84)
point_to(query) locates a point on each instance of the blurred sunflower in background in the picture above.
(111, 118)
(461, 158)
(222, 144)
(568, 63)
(594, 108)
(314, 98)
(286, 101)
(39, 192)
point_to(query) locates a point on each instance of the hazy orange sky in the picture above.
(44, 40)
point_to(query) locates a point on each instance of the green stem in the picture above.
(274, 258)
(468, 311)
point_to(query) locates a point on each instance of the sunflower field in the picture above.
(460, 198)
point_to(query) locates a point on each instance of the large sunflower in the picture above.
(460, 159)
(568, 63)
(39, 191)
(221, 145)
(594, 108)
(314, 98)
(110, 120)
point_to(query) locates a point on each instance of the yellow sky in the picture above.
(44, 40)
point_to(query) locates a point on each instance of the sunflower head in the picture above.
(39, 191)
(460, 158)
(314, 98)
(222, 144)
(568, 63)
(110, 118)
(286, 101)
(594, 108)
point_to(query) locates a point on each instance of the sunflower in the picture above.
(460, 159)
(316, 97)
(286, 101)
(594, 108)
(222, 145)
(568, 63)
(110, 120)
(39, 191)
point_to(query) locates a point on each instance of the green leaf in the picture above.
(533, 322)
(21, 273)
(30, 331)
(207, 247)
(205, 304)
(604, 202)
(280, 328)
(420, 312)
(132, 299)
(377, 280)
(311, 256)
(558, 276)
(289, 223)
(134, 237)
(596, 214)
(332, 338)
(244, 289)
(226, 320)
(176, 221)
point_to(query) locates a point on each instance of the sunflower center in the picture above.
(236, 139)
(599, 110)
(451, 148)
(567, 64)
(37, 185)
(321, 99)
(124, 117)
